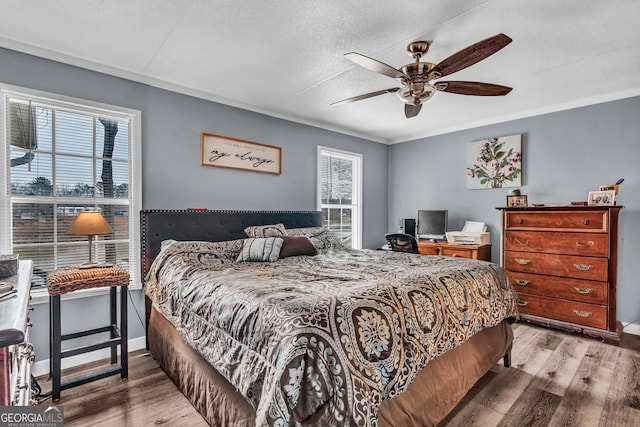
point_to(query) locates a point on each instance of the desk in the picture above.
(479, 252)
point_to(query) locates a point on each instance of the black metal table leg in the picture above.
(124, 347)
(56, 339)
(113, 321)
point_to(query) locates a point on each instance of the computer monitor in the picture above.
(432, 224)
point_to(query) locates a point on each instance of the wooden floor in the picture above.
(556, 379)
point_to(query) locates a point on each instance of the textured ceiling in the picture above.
(285, 58)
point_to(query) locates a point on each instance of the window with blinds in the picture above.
(64, 158)
(340, 194)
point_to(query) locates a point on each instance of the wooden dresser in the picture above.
(480, 252)
(563, 263)
(16, 353)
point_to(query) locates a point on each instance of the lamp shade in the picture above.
(89, 224)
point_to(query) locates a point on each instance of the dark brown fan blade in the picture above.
(473, 88)
(366, 95)
(472, 54)
(375, 65)
(411, 110)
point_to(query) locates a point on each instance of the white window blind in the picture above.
(64, 158)
(340, 194)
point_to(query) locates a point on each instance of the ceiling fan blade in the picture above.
(365, 96)
(471, 54)
(473, 88)
(411, 110)
(375, 65)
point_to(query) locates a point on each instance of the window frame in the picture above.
(134, 117)
(357, 160)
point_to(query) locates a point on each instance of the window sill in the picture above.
(41, 296)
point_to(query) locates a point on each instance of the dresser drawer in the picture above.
(591, 315)
(428, 250)
(560, 287)
(589, 244)
(577, 267)
(458, 253)
(579, 221)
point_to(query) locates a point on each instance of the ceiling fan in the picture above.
(417, 77)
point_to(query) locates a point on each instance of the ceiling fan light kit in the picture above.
(417, 77)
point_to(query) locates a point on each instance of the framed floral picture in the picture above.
(495, 162)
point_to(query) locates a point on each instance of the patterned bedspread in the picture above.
(321, 340)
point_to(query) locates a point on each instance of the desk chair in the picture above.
(401, 242)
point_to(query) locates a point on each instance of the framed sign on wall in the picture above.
(225, 152)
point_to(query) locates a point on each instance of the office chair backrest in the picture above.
(401, 242)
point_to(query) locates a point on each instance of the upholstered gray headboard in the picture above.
(213, 226)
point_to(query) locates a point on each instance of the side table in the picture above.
(69, 279)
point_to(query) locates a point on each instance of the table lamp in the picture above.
(89, 224)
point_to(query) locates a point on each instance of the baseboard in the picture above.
(632, 328)
(42, 367)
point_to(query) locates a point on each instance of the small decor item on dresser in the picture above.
(602, 198)
(613, 187)
(8, 265)
(519, 201)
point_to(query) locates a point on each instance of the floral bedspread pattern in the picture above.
(323, 340)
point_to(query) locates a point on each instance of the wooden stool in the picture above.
(69, 279)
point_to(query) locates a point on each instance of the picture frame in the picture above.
(602, 198)
(495, 162)
(226, 152)
(517, 201)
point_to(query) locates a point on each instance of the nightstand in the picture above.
(70, 279)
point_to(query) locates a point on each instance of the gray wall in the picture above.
(172, 175)
(565, 155)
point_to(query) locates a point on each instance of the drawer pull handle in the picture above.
(522, 282)
(586, 222)
(522, 261)
(455, 255)
(583, 267)
(521, 221)
(582, 313)
(520, 243)
(583, 291)
(525, 303)
(589, 243)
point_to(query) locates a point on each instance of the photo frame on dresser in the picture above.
(517, 201)
(602, 198)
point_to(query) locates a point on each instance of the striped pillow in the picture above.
(261, 249)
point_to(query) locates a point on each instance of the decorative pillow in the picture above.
(297, 245)
(166, 243)
(321, 238)
(271, 230)
(261, 249)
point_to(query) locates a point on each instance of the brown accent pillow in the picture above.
(297, 245)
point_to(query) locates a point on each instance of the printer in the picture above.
(473, 233)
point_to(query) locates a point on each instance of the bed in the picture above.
(344, 337)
